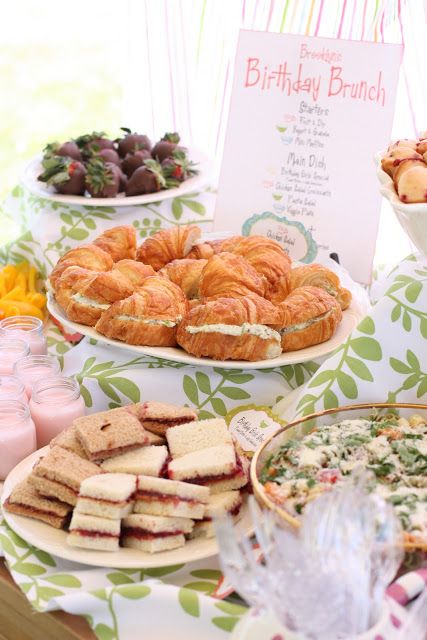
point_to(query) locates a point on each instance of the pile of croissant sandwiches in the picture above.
(147, 476)
(233, 299)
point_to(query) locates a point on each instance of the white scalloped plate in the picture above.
(351, 318)
(34, 168)
(53, 540)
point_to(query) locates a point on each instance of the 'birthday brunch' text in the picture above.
(294, 81)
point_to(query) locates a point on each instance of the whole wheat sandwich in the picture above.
(68, 439)
(109, 433)
(60, 473)
(158, 417)
(162, 497)
(25, 501)
(154, 533)
(108, 495)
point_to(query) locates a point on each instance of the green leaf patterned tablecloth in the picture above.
(385, 358)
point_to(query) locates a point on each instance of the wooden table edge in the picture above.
(58, 624)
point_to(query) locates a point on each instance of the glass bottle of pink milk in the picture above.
(11, 350)
(33, 368)
(17, 434)
(11, 388)
(25, 328)
(55, 403)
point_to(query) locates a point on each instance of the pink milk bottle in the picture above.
(17, 434)
(11, 350)
(25, 328)
(32, 368)
(11, 388)
(55, 403)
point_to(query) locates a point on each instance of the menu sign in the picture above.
(307, 116)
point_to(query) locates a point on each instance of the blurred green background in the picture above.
(61, 74)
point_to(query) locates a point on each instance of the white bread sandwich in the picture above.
(161, 497)
(154, 533)
(91, 532)
(60, 473)
(108, 495)
(67, 439)
(220, 504)
(147, 461)
(25, 501)
(193, 436)
(215, 467)
(109, 433)
(158, 417)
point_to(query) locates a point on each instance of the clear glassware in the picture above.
(12, 388)
(327, 580)
(27, 328)
(33, 368)
(55, 403)
(17, 434)
(11, 350)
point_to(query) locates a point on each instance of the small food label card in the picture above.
(250, 425)
(307, 116)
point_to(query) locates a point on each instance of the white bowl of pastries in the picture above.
(402, 172)
(235, 299)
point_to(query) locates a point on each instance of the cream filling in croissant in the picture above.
(163, 323)
(303, 325)
(78, 297)
(329, 288)
(259, 330)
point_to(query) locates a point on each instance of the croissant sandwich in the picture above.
(168, 245)
(316, 275)
(119, 242)
(202, 251)
(231, 329)
(309, 316)
(88, 256)
(268, 258)
(89, 299)
(69, 282)
(148, 317)
(186, 274)
(230, 276)
(134, 271)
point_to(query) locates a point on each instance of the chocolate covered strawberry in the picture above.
(146, 179)
(134, 160)
(108, 155)
(66, 175)
(95, 141)
(102, 178)
(67, 150)
(165, 147)
(177, 168)
(132, 142)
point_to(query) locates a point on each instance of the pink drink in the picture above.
(28, 329)
(11, 350)
(17, 435)
(11, 388)
(54, 404)
(33, 368)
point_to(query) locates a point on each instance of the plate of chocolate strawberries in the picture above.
(100, 171)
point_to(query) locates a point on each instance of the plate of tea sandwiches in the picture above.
(137, 486)
(199, 301)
